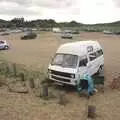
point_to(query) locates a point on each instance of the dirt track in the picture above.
(37, 53)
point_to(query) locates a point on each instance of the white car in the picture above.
(4, 45)
(67, 35)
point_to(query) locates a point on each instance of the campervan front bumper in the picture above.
(62, 77)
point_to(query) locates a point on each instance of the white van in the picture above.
(73, 60)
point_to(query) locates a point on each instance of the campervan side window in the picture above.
(83, 62)
(92, 56)
(95, 55)
(99, 53)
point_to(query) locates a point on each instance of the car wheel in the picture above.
(6, 47)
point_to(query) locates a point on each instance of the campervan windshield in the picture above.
(65, 60)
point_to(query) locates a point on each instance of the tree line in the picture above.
(49, 23)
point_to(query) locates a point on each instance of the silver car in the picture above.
(67, 35)
(4, 45)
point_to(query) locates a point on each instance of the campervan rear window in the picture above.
(99, 52)
(95, 55)
(92, 56)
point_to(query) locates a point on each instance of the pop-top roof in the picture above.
(78, 48)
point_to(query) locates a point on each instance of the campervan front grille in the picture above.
(61, 73)
(60, 79)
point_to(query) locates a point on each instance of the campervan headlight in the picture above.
(72, 75)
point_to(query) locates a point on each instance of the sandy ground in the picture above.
(37, 54)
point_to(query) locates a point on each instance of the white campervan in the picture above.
(72, 60)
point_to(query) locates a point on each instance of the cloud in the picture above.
(86, 11)
(21, 2)
(54, 3)
(117, 3)
(12, 8)
(44, 3)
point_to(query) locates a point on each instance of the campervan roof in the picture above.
(78, 48)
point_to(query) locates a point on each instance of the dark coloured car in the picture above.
(75, 32)
(29, 35)
(5, 33)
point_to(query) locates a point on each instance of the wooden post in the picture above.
(22, 76)
(45, 91)
(91, 111)
(31, 82)
(14, 70)
(7, 70)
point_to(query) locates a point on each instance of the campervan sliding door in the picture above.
(93, 63)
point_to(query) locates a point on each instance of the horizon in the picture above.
(62, 21)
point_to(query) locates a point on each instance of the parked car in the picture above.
(75, 32)
(56, 30)
(67, 35)
(5, 33)
(4, 45)
(108, 32)
(73, 60)
(117, 33)
(29, 35)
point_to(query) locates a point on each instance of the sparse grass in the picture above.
(2, 81)
(28, 78)
(62, 99)
(15, 70)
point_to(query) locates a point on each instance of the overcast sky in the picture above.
(85, 11)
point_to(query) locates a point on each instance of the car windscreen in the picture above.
(1, 42)
(65, 60)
